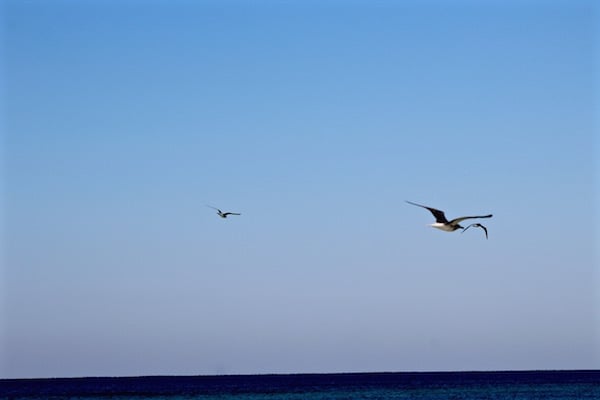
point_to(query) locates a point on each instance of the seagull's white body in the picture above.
(444, 227)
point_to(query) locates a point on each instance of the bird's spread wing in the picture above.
(457, 220)
(477, 225)
(231, 213)
(484, 229)
(438, 214)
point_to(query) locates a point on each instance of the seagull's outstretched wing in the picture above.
(457, 220)
(477, 225)
(230, 213)
(438, 214)
(214, 208)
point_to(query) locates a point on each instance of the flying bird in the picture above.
(477, 225)
(441, 222)
(223, 214)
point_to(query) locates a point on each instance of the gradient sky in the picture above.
(315, 120)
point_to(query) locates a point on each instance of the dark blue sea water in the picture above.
(526, 385)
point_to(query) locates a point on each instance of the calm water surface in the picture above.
(525, 385)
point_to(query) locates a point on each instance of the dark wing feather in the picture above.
(485, 230)
(457, 220)
(438, 214)
(477, 225)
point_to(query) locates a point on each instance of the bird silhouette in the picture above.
(223, 214)
(441, 222)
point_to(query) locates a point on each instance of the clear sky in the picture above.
(316, 120)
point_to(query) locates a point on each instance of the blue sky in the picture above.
(315, 120)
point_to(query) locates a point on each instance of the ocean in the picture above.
(525, 385)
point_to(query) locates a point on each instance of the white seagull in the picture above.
(223, 214)
(477, 225)
(449, 226)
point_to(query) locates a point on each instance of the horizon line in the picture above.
(466, 371)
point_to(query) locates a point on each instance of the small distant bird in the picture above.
(477, 225)
(223, 214)
(442, 223)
